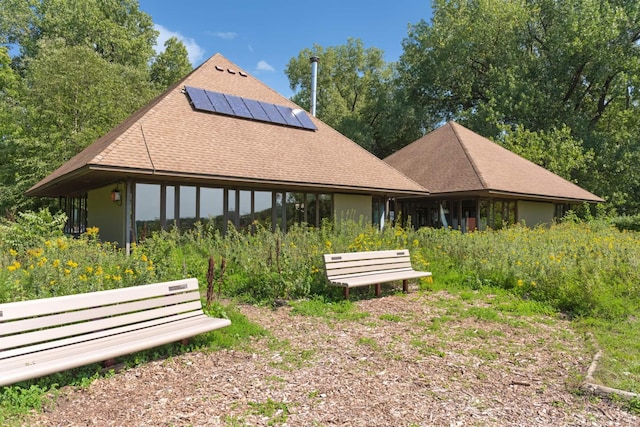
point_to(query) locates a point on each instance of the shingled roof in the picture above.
(454, 161)
(169, 139)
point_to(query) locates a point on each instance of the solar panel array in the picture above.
(231, 105)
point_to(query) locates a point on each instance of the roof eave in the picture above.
(54, 188)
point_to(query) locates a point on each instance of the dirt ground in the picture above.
(410, 361)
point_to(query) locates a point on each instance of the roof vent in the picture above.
(219, 68)
(231, 71)
(242, 73)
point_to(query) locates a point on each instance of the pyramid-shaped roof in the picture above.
(454, 161)
(171, 139)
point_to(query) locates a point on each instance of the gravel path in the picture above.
(422, 359)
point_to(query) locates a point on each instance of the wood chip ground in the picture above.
(410, 361)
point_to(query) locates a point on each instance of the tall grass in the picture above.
(582, 269)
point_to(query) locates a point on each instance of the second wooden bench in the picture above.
(352, 269)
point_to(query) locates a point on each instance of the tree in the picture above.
(170, 65)
(10, 129)
(117, 30)
(534, 67)
(83, 67)
(355, 94)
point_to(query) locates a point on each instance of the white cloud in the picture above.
(194, 51)
(264, 66)
(229, 35)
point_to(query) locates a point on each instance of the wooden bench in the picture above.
(352, 269)
(43, 336)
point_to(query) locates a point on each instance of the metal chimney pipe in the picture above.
(314, 82)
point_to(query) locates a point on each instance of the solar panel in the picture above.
(288, 115)
(256, 110)
(236, 106)
(304, 119)
(273, 113)
(199, 98)
(219, 102)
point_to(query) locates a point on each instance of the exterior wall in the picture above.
(352, 206)
(108, 216)
(535, 213)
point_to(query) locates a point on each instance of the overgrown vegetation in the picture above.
(587, 271)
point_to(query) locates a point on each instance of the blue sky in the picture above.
(262, 36)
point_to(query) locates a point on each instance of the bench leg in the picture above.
(405, 286)
(346, 292)
(377, 289)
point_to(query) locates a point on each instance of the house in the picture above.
(476, 183)
(221, 147)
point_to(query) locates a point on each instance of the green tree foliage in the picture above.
(536, 67)
(83, 66)
(170, 65)
(355, 94)
(116, 29)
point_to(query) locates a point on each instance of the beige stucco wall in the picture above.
(108, 216)
(535, 213)
(352, 206)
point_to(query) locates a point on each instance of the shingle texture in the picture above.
(453, 159)
(169, 138)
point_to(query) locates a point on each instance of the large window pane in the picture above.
(212, 207)
(231, 208)
(244, 220)
(147, 210)
(278, 212)
(170, 206)
(295, 209)
(187, 207)
(311, 204)
(262, 208)
(324, 202)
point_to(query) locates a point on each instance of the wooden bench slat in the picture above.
(50, 354)
(44, 306)
(92, 336)
(368, 268)
(381, 278)
(349, 256)
(62, 318)
(107, 348)
(87, 327)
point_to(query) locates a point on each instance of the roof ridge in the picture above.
(476, 171)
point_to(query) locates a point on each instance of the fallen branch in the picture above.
(590, 386)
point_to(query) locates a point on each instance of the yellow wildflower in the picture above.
(128, 271)
(92, 231)
(72, 264)
(13, 252)
(89, 269)
(56, 263)
(14, 266)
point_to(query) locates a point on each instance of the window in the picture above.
(187, 197)
(76, 210)
(147, 210)
(212, 207)
(263, 208)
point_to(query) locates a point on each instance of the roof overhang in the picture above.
(493, 194)
(92, 177)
